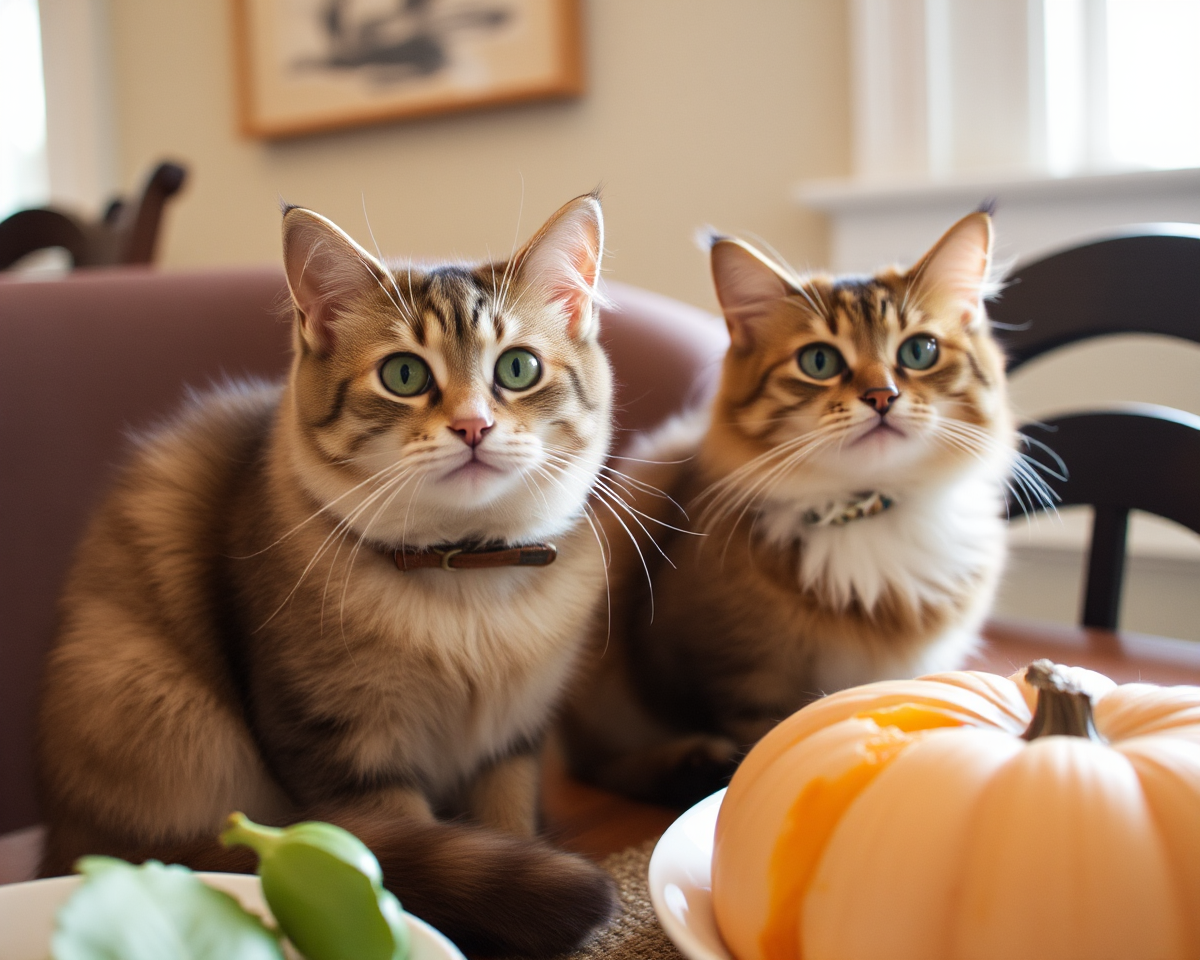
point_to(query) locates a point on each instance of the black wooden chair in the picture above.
(126, 234)
(1131, 457)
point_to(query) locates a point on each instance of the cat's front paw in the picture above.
(702, 765)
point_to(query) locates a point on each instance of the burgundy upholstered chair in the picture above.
(86, 359)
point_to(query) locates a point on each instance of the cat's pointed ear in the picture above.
(561, 264)
(326, 272)
(952, 276)
(747, 285)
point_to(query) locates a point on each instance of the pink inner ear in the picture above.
(576, 297)
(955, 270)
(318, 315)
(746, 288)
(326, 270)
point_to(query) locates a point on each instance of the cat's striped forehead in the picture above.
(864, 309)
(454, 305)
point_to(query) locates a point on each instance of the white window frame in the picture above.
(81, 137)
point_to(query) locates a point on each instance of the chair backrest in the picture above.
(86, 358)
(1132, 457)
(1145, 279)
(126, 234)
(1136, 457)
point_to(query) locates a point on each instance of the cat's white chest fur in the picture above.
(935, 542)
(928, 543)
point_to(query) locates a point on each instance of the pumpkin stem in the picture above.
(1063, 708)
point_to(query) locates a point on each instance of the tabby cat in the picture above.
(239, 631)
(847, 485)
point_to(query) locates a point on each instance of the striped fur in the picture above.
(235, 636)
(730, 631)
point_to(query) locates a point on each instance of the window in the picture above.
(949, 87)
(23, 171)
(1122, 84)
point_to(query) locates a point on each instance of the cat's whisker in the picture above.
(601, 538)
(398, 299)
(611, 498)
(768, 481)
(1020, 464)
(534, 490)
(624, 478)
(325, 508)
(605, 560)
(1062, 473)
(954, 443)
(733, 478)
(399, 483)
(665, 463)
(634, 511)
(744, 497)
(763, 486)
(730, 486)
(408, 511)
(509, 267)
(1028, 484)
(337, 531)
(636, 546)
(600, 497)
(601, 483)
(346, 526)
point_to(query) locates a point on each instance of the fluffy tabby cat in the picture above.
(235, 633)
(848, 483)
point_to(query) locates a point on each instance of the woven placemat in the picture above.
(635, 932)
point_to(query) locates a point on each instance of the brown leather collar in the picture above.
(469, 558)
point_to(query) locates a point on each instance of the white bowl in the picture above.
(27, 916)
(681, 882)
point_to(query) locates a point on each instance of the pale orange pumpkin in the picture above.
(940, 818)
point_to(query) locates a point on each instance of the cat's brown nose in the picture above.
(881, 398)
(471, 430)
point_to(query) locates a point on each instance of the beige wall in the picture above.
(697, 111)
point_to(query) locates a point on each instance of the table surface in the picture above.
(597, 823)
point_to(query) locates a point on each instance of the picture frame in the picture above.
(306, 66)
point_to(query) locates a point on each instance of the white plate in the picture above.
(27, 916)
(681, 882)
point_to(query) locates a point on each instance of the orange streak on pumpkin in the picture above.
(912, 717)
(817, 811)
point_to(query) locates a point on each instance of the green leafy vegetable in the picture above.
(326, 890)
(155, 912)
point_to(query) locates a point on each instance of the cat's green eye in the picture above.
(405, 375)
(919, 352)
(821, 361)
(518, 369)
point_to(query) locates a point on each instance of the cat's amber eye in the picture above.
(919, 352)
(820, 361)
(405, 375)
(518, 369)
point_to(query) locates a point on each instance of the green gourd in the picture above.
(325, 889)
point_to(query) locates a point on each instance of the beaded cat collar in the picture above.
(840, 513)
(476, 558)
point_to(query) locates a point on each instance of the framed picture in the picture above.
(310, 65)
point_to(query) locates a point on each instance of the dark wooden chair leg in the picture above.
(1106, 567)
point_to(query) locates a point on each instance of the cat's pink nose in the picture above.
(881, 398)
(471, 430)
